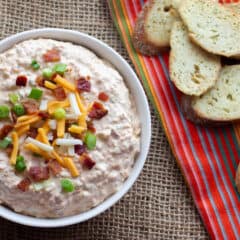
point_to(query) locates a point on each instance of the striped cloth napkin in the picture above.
(208, 157)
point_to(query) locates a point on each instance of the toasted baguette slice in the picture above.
(212, 26)
(220, 104)
(192, 70)
(152, 29)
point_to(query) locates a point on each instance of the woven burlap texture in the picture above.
(159, 206)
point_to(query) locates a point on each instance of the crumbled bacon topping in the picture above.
(90, 127)
(33, 132)
(39, 174)
(83, 85)
(40, 81)
(80, 149)
(21, 81)
(44, 115)
(54, 167)
(52, 55)
(97, 111)
(31, 106)
(24, 185)
(59, 93)
(103, 96)
(9, 149)
(87, 161)
(5, 130)
(13, 116)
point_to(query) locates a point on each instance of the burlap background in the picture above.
(159, 206)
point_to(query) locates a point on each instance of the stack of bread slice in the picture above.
(199, 34)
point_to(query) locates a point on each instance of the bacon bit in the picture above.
(103, 96)
(31, 106)
(24, 185)
(55, 167)
(44, 115)
(87, 161)
(83, 85)
(90, 127)
(33, 132)
(52, 55)
(21, 81)
(39, 174)
(97, 111)
(59, 93)
(5, 130)
(9, 149)
(13, 116)
(79, 149)
(40, 81)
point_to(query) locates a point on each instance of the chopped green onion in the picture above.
(20, 164)
(13, 98)
(47, 73)
(18, 109)
(60, 68)
(36, 93)
(35, 65)
(90, 140)
(59, 113)
(5, 142)
(67, 185)
(4, 111)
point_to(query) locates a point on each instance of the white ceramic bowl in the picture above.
(103, 51)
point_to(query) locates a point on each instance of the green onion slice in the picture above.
(67, 185)
(20, 164)
(90, 140)
(35, 65)
(36, 93)
(18, 109)
(60, 68)
(47, 73)
(59, 113)
(5, 142)
(4, 111)
(13, 98)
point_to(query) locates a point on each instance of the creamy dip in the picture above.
(118, 133)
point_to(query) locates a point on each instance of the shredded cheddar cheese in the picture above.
(76, 129)
(33, 148)
(68, 162)
(33, 119)
(60, 128)
(43, 136)
(49, 85)
(82, 120)
(53, 105)
(58, 158)
(22, 130)
(80, 103)
(46, 127)
(14, 153)
(25, 118)
(64, 83)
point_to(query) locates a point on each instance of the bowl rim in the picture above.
(119, 62)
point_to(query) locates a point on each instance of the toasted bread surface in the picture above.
(192, 69)
(212, 26)
(151, 33)
(221, 103)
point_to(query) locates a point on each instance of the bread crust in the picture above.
(193, 116)
(140, 40)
